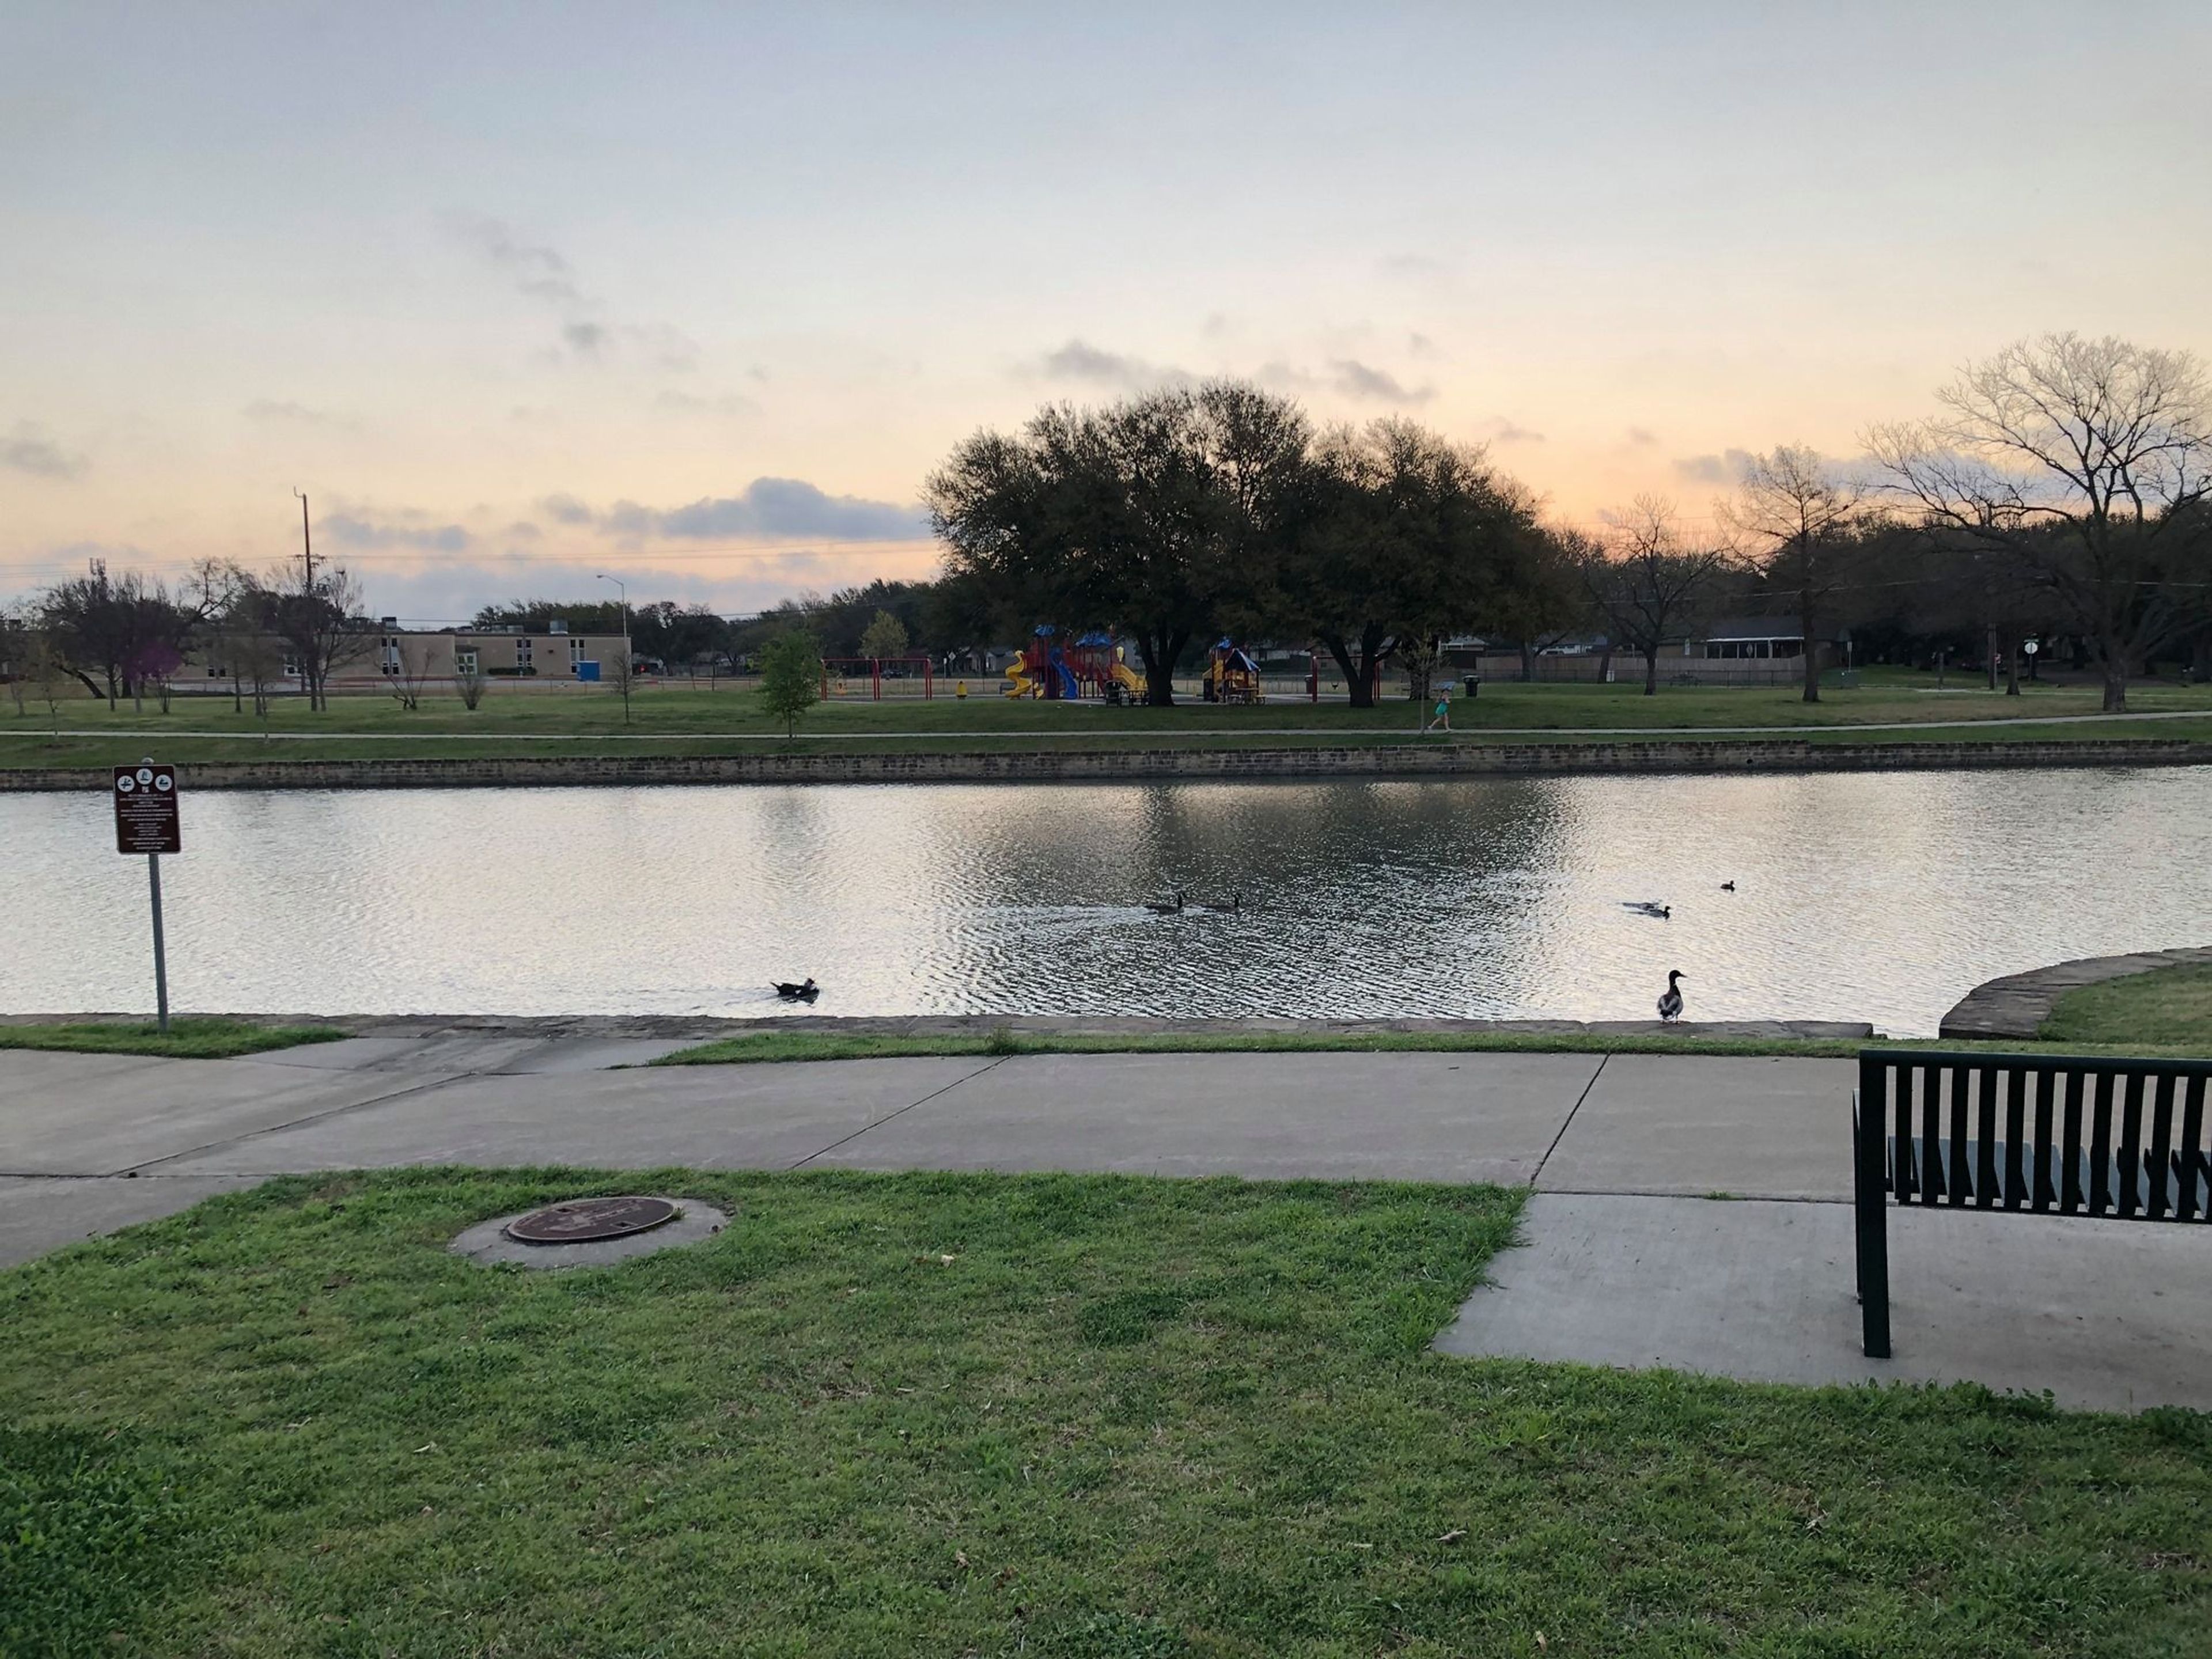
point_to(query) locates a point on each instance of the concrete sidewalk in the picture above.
(1625, 1259)
(88, 1142)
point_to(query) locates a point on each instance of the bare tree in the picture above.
(1650, 580)
(414, 666)
(1797, 511)
(470, 681)
(319, 621)
(622, 670)
(16, 648)
(2087, 462)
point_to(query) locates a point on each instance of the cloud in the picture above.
(1078, 360)
(1503, 431)
(31, 451)
(1419, 266)
(1642, 435)
(684, 403)
(1357, 379)
(534, 268)
(565, 509)
(541, 272)
(348, 530)
(770, 508)
(270, 411)
(1726, 468)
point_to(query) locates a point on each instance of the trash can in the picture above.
(1473, 684)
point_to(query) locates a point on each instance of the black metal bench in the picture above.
(2051, 1134)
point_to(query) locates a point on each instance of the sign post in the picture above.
(145, 821)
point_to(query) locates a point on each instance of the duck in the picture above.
(802, 992)
(1728, 887)
(1670, 1000)
(1168, 910)
(1649, 907)
(1236, 904)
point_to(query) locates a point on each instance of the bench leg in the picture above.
(1872, 1222)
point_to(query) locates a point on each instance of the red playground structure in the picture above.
(1089, 666)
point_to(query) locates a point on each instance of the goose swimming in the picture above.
(1236, 904)
(1160, 909)
(1647, 908)
(1670, 1000)
(803, 993)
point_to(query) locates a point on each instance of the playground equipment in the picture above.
(1091, 666)
(1232, 676)
(874, 678)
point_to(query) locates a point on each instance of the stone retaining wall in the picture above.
(2017, 1005)
(1072, 766)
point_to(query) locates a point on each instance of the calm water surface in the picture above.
(1881, 898)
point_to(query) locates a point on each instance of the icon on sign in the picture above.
(165, 783)
(145, 775)
(124, 784)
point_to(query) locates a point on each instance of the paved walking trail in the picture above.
(1630, 1256)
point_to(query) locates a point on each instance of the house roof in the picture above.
(1755, 628)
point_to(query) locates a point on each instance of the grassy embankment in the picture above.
(2169, 1009)
(676, 720)
(186, 1039)
(1051, 1415)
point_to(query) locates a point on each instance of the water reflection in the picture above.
(1871, 896)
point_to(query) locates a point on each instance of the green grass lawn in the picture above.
(1050, 1415)
(186, 1039)
(2168, 1005)
(676, 720)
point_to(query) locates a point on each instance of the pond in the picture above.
(1880, 897)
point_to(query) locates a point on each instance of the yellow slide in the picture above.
(1133, 684)
(1019, 683)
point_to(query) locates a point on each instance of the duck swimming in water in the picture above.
(1168, 910)
(1236, 904)
(803, 992)
(1670, 1000)
(1648, 908)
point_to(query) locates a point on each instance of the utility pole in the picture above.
(307, 543)
(308, 670)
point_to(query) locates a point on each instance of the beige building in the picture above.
(433, 657)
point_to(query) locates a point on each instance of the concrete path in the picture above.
(87, 1141)
(2106, 1315)
(1626, 1257)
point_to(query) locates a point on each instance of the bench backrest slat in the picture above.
(2082, 1136)
(2192, 1137)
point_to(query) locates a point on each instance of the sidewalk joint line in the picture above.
(300, 1122)
(902, 1112)
(1537, 1175)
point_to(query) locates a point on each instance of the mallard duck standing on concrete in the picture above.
(1670, 1000)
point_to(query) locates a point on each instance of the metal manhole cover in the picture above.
(583, 1220)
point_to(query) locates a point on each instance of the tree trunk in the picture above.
(2012, 671)
(1159, 653)
(1605, 666)
(1359, 685)
(1805, 619)
(1527, 663)
(1650, 670)
(1991, 666)
(2116, 684)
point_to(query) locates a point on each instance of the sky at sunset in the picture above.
(698, 295)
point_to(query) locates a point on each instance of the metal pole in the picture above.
(161, 956)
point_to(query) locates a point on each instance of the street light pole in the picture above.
(627, 661)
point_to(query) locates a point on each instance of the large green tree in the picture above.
(1404, 536)
(1160, 516)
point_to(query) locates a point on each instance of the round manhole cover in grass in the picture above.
(583, 1220)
